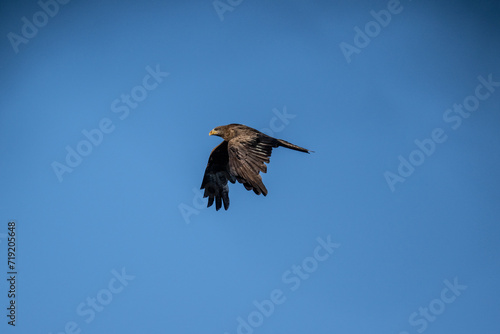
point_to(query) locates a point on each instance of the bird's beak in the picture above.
(211, 133)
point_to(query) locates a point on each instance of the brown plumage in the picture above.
(240, 157)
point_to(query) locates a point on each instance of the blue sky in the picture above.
(391, 226)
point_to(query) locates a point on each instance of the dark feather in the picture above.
(216, 177)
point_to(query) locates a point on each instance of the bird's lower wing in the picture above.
(216, 176)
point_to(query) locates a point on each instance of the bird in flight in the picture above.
(240, 157)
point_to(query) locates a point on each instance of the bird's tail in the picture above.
(291, 146)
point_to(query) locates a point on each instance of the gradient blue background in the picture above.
(121, 207)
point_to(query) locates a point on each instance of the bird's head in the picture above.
(217, 131)
(226, 132)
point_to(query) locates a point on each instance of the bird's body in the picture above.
(240, 157)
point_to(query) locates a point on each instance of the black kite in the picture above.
(240, 157)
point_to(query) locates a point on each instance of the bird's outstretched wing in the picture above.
(248, 156)
(216, 176)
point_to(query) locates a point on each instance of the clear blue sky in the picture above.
(391, 226)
